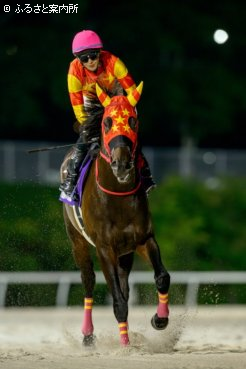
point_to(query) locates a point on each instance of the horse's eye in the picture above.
(133, 123)
(107, 124)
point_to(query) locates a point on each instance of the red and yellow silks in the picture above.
(82, 82)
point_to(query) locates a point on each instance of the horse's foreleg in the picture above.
(124, 268)
(83, 261)
(117, 279)
(151, 252)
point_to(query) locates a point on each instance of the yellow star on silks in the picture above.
(89, 86)
(126, 128)
(115, 128)
(109, 78)
(125, 112)
(120, 119)
(113, 112)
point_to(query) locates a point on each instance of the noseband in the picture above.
(114, 193)
(123, 142)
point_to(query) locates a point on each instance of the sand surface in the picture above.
(207, 338)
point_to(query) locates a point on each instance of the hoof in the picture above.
(89, 340)
(159, 323)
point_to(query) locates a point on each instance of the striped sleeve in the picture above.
(123, 76)
(75, 94)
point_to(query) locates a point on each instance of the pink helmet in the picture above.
(85, 40)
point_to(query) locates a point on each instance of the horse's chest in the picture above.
(119, 224)
(123, 240)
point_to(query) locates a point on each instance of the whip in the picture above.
(58, 147)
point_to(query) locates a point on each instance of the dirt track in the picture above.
(211, 338)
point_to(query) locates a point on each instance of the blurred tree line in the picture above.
(193, 87)
(197, 229)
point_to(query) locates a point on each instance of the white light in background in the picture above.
(220, 36)
(209, 158)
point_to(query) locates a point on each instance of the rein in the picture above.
(127, 193)
(105, 157)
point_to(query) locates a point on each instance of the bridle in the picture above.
(105, 190)
(119, 129)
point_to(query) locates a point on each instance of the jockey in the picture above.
(93, 65)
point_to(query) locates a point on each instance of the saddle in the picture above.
(76, 198)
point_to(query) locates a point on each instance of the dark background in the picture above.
(193, 87)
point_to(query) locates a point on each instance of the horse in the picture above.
(116, 217)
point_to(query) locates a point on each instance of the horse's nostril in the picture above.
(121, 166)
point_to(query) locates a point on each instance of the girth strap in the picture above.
(79, 220)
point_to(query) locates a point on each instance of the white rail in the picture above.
(64, 280)
(44, 167)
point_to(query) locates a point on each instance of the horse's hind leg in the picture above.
(150, 251)
(83, 261)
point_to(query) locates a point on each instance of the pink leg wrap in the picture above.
(124, 339)
(162, 308)
(87, 326)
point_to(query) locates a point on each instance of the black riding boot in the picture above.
(78, 155)
(148, 181)
(88, 134)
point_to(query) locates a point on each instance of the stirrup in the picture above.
(69, 197)
(68, 186)
(65, 190)
(68, 191)
(61, 187)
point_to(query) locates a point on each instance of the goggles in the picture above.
(92, 55)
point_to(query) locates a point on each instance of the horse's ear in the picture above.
(102, 96)
(134, 96)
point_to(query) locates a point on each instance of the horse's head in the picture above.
(120, 131)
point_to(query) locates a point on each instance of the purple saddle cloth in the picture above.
(78, 190)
